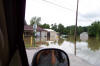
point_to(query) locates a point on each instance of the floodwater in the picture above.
(88, 50)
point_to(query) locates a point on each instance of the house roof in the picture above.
(40, 29)
(49, 30)
(27, 27)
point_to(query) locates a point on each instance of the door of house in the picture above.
(48, 36)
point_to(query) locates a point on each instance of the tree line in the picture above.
(93, 30)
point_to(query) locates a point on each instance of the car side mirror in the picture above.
(50, 57)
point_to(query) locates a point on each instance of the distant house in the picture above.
(51, 34)
(41, 32)
(28, 30)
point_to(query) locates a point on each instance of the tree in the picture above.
(47, 26)
(61, 29)
(94, 29)
(54, 27)
(35, 19)
(81, 29)
(70, 30)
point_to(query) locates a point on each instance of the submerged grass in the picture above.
(36, 45)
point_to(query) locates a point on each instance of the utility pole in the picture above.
(76, 25)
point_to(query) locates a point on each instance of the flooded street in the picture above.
(70, 25)
(88, 50)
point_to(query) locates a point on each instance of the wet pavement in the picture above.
(74, 60)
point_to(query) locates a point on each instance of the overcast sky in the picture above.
(63, 11)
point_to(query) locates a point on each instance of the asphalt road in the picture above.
(74, 60)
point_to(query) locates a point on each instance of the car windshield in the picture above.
(52, 24)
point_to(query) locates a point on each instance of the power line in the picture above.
(57, 5)
(63, 7)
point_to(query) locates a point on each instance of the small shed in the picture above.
(51, 34)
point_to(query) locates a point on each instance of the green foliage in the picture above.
(54, 27)
(35, 19)
(61, 29)
(81, 29)
(94, 29)
(91, 31)
(70, 30)
(47, 26)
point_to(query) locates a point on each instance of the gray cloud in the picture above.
(91, 14)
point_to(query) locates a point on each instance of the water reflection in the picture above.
(71, 39)
(88, 50)
(94, 44)
(60, 41)
(42, 39)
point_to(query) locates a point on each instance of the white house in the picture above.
(41, 32)
(51, 34)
